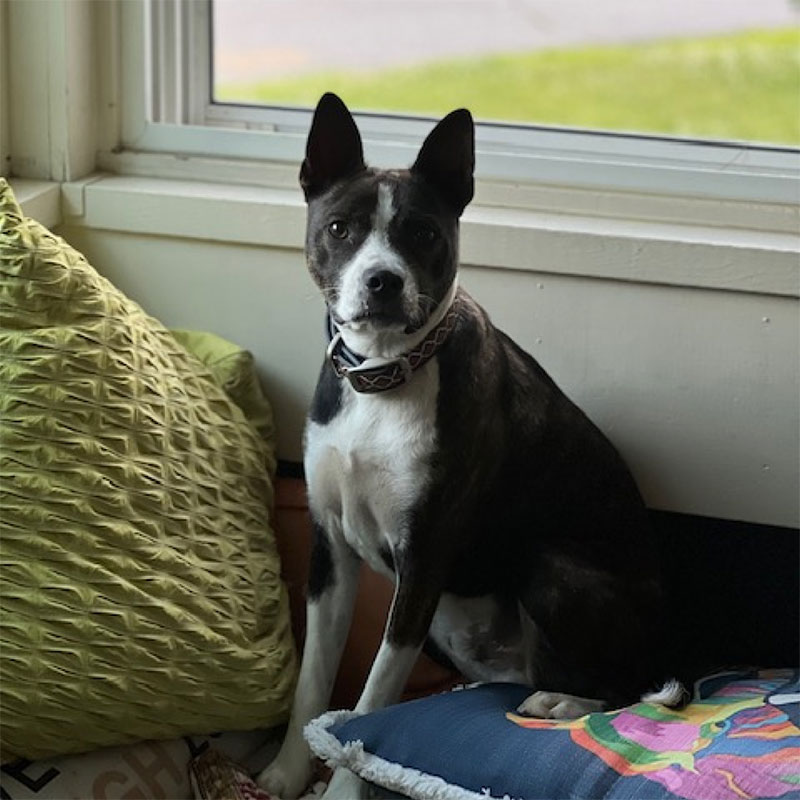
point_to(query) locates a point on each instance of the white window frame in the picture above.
(166, 109)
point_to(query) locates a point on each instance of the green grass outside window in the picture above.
(739, 86)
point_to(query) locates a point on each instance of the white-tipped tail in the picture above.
(672, 693)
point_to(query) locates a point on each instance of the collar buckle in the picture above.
(332, 354)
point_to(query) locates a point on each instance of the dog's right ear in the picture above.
(447, 159)
(334, 150)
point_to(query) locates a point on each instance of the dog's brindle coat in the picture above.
(514, 532)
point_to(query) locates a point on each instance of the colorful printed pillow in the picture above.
(738, 739)
(140, 595)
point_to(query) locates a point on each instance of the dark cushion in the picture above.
(738, 738)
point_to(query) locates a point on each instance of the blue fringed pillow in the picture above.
(738, 739)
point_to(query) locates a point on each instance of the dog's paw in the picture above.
(285, 778)
(345, 785)
(554, 705)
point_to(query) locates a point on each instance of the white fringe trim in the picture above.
(370, 767)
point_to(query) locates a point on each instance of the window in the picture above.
(176, 109)
(725, 69)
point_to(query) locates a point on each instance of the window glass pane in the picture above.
(719, 69)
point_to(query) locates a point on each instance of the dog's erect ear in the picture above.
(333, 150)
(447, 159)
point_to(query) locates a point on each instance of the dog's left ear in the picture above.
(447, 159)
(334, 150)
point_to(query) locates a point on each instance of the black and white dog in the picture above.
(445, 457)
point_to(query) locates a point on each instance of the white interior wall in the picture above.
(697, 387)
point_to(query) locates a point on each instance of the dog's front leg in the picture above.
(332, 584)
(407, 626)
(415, 599)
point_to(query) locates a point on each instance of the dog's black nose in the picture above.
(384, 284)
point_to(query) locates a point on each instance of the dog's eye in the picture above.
(338, 229)
(423, 233)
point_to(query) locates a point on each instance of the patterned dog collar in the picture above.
(367, 377)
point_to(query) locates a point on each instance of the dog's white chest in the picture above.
(367, 467)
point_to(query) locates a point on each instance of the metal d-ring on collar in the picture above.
(367, 377)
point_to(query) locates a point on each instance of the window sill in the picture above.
(620, 248)
(40, 200)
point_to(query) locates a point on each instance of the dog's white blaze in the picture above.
(386, 209)
(375, 252)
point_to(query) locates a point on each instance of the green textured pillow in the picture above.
(233, 369)
(140, 594)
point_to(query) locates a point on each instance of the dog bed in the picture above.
(737, 739)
